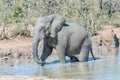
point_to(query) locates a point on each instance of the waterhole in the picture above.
(105, 67)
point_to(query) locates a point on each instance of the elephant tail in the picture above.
(92, 54)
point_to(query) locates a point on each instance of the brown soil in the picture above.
(20, 47)
(106, 35)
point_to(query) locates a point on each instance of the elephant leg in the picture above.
(74, 59)
(85, 48)
(61, 54)
(84, 54)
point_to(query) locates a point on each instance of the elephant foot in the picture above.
(83, 59)
(74, 59)
(42, 64)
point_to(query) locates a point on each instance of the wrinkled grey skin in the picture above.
(70, 39)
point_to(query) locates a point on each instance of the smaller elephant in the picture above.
(69, 39)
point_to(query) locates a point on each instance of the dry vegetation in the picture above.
(17, 17)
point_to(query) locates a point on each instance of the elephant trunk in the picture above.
(36, 41)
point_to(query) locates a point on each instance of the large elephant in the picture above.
(69, 39)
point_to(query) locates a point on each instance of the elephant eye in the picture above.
(46, 31)
(47, 28)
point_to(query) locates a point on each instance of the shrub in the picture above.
(16, 31)
(93, 14)
(17, 11)
(20, 31)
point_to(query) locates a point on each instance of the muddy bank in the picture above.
(18, 48)
(19, 51)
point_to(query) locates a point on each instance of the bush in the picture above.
(92, 14)
(20, 31)
(25, 32)
(17, 11)
(16, 31)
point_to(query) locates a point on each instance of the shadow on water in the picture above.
(104, 68)
(57, 62)
(67, 61)
(91, 58)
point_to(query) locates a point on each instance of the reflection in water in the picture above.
(71, 70)
(105, 68)
(74, 70)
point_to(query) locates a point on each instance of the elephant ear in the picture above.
(56, 25)
(48, 21)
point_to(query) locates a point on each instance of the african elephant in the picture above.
(69, 39)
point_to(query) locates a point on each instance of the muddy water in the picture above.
(106, 67)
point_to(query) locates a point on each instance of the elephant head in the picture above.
(46, 26)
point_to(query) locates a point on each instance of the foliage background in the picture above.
(19, 15)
